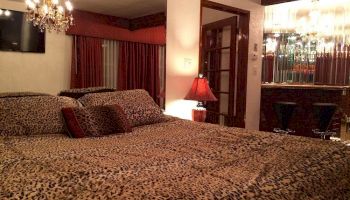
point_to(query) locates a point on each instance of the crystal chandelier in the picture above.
(50, 14)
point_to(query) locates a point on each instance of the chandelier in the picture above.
(50, 14)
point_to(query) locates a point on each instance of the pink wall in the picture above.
(183, 17)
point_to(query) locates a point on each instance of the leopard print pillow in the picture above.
(79, 92)
(33, 115)
(138, 105)
(10, 127)
(95, 121)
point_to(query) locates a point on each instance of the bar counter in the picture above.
(304, 95)
(306, 87)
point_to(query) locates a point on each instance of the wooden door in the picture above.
(219, 53)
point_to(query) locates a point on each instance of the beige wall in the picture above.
(49, 72)
(183, 23)
(183, 18)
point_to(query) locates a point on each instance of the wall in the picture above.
(182, 29)
(49, 72)
(183, 24)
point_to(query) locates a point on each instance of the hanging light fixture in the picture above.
(50, 14)
(5, 13)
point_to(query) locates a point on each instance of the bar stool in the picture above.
(284, 112)
(323, 114)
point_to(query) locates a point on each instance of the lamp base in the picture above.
(199, 115)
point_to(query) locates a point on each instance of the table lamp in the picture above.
(201, 92)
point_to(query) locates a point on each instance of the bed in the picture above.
(174, 159)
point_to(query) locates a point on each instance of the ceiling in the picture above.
(122, 8)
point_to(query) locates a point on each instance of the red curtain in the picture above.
(87, 66)
(139, 68)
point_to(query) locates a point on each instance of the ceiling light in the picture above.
(60, 9)
(69, 6)
(50, 14)
(7, 13)
(30, 4)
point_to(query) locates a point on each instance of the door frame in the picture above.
(242, 59)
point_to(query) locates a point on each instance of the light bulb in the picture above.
(7, 13)
(45, 9)
(30, 4)
(36, 1)
(60, 9)
(69, 5)
(55, 2)
(1, 12)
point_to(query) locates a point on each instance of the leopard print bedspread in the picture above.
(174, 160)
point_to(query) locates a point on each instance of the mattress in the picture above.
(177, 159)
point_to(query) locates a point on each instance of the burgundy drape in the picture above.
(139, 68)
(87, 66)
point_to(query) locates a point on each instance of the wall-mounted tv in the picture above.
(16, 34)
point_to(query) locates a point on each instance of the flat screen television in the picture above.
(16, 34)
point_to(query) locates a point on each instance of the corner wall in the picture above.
(49, 72)
(183, 25)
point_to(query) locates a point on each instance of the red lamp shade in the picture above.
(200, 91)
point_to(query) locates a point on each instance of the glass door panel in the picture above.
(225, 59)
(219, 56)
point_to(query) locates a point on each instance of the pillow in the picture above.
(9, 127)
(22, 94)
(79, 92)
(33, 115)
(95, 121)
(138, 105)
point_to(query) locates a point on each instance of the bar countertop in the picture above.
(303, 86)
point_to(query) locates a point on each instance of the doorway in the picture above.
(224, 61)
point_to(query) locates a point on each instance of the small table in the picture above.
(199, 115)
